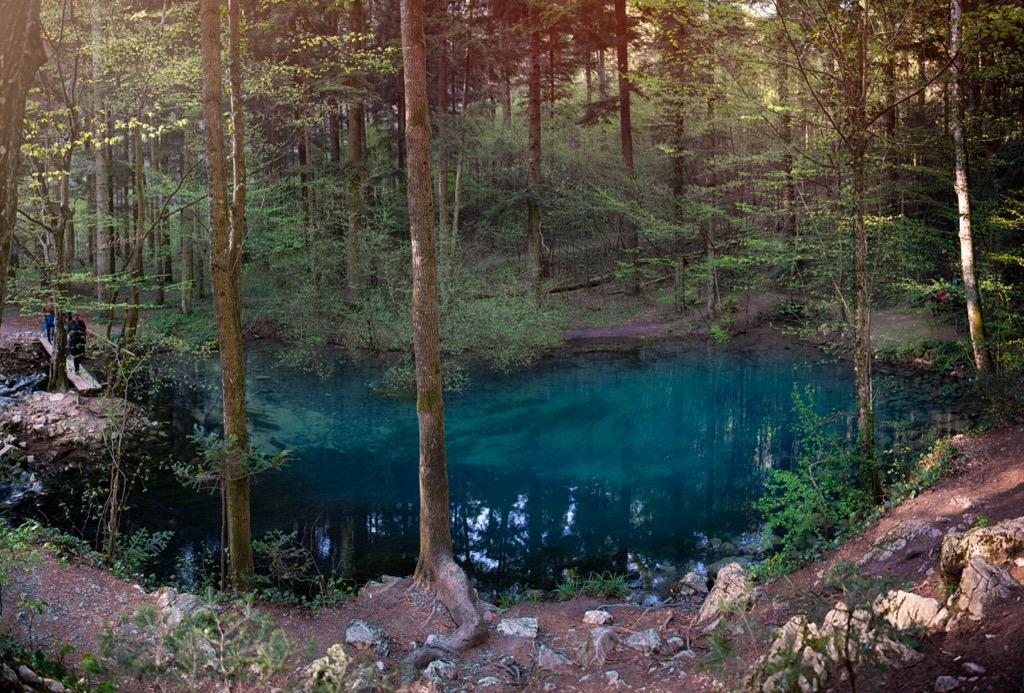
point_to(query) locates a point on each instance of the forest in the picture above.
(450, 187)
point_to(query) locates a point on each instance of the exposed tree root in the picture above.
(447, 583)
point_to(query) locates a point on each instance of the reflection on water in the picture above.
(590, 461)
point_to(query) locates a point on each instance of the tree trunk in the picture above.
(131, 323)
(631, 239)
(353, 241)
(533, 238)
(858, 147)
(21, 54)
(457, 201)
(442, 142)
(225, 269)
(436, 570)
(982, 359)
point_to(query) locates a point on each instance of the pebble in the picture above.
(944, 684)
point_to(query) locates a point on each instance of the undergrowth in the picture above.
(821, 499)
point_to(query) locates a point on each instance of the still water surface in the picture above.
(594, 461)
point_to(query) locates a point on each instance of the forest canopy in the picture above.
(687, 152)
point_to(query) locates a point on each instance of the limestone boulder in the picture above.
(598, 646)
(906, 611)
(794, 662)
(982, 584)
(647, 641)
(899, 541)
(999, 543)
(732, 590)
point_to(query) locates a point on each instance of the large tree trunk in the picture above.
(982, 359)
(21, 54)
(225, 269)
(436, 570)
(533, 238)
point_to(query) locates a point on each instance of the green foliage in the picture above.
(17, 549)
(196, 332)
(50, 664)
(604, 585)
(820, 498)
(217, 641)
(219, 458)
(139, 551)
(517, 594)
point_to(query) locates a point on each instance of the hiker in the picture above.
(48, 322)
(76, 340)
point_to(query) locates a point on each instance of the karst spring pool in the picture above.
(593, 461)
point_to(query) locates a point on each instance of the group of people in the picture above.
(76, 334)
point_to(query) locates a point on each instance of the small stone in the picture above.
(53, 686)
(647, 641)
(597, 617)
(944, 684)
(488, 682)
(28, 676)
(550, 660)
(440, 670)
(525, 627)
(362, 635)
(674, 644)
(598, 646)
(613, 679)
(973, 669)
(7, 674)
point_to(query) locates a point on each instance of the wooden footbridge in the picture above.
(83, 380)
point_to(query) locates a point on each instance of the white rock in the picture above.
(598, 646)
(597, 617)
(362, 635)
(440, 670)
(982, 584)
(906, 610)
(731, 590)
(973, 669)
(550, 660)
(524, 627)
(944, 684)
(647, 641)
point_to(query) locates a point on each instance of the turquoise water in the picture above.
(597, 462)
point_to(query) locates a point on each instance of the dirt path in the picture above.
(989, 484)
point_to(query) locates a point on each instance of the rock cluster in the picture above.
(67, 418)
(803, 656)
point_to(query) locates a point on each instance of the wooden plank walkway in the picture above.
(83, 380)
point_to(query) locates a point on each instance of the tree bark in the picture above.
(21, 54)
(135, 261)
(982, 358)
(436, 570)
(533, 237)
(353, 241)
(631, 239)
(225, 269)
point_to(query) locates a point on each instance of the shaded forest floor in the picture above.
(987, 486)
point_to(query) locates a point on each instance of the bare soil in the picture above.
(988, 486)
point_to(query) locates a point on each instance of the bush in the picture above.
(820, 498)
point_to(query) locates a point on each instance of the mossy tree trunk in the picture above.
(436, 570)
(225, 270)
